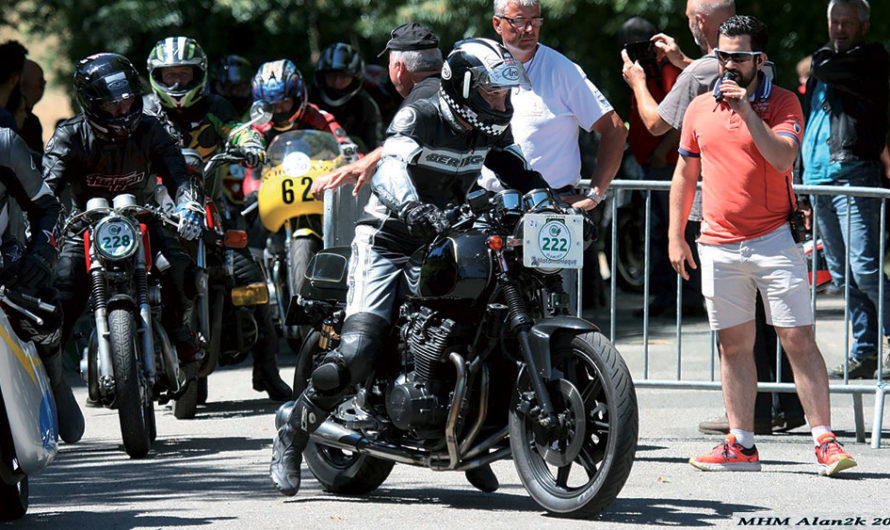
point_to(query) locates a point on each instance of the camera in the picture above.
(644, 53)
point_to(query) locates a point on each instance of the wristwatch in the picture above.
(597, 197)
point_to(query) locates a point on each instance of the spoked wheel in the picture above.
(337, 470)
(577, 466)
(13, 497)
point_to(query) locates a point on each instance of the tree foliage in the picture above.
(262, 30)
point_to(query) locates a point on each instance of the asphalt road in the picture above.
(212, 471)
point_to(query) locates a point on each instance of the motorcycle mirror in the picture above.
(478, 201)
(260, 112)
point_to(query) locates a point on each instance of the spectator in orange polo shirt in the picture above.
(742, 141)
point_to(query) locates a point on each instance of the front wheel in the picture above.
(578, 467)
(299, 252)
(338, 471)
(134, 406)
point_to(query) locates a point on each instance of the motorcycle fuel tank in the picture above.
(457, 267)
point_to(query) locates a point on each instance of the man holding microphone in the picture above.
(742, 140)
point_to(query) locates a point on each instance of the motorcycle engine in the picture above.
(418, 400)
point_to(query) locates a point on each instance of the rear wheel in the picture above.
(13, 497)
(578, 468)
(134, 405)
(338, 471)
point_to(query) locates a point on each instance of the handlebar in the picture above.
(90, 215)
(25, 304)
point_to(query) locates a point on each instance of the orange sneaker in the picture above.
(728, 456)
(831, 456)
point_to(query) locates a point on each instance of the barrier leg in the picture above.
(877, 425)
(858, 419)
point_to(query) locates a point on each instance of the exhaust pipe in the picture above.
(333, 435)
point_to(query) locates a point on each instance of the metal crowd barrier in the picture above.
(879, 389)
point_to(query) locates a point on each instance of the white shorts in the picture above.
(773, 264)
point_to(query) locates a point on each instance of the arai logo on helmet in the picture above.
(511, 73)
(446, 71)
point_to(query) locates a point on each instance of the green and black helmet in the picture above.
(173, 55)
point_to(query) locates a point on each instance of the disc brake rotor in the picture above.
(562, 450)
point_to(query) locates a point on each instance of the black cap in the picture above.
(411, 37)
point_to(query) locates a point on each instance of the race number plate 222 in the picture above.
(553, 241)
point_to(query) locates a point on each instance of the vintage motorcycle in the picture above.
(226, 325)
(28, 423)
(483, 362)
(129, 362)
(293, 160)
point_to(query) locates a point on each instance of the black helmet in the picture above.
(476, 64)
(177, 51)
(230, 77)
(108, 90)
(340, 58)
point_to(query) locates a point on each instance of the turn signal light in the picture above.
(236, 239)
(495, 242)
(252, 294)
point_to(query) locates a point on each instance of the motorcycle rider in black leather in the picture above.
(112, 148)
(29, 269)
(177, 70)
(434, 150)
(338, 89)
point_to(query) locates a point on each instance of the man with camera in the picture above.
(742, 141)
(846, 109)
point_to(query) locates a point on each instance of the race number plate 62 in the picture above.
(553, 241)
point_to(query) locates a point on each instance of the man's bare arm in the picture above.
(682, 194)
(611, 149)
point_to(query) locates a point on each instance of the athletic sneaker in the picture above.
(728, 456)
(831, 456)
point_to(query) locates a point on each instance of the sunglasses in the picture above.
(522, 23)
(736, 57)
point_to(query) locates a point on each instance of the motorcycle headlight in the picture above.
(115, 238)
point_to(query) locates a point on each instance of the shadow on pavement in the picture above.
(88, 519)
(241, 408)
(673, 513)
(466, 498)
(101, 474)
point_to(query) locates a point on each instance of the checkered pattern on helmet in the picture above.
(471, 117)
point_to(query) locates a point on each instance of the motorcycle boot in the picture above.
(265, 361)
(71, 422)
(267, 379)
(291, 440)
(483, 478)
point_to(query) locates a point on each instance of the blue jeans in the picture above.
(863, 241)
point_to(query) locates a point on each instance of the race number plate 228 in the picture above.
(553, 241)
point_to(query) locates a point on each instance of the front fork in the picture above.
(520, 322)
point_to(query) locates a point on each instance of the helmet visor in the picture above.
(505, 75)
(115, 107)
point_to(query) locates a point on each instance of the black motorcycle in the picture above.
(482, 363)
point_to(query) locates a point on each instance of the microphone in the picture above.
(728, 76)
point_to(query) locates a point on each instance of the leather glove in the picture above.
(191, 220)
(254, 154)
(424, 220)
(35, 270)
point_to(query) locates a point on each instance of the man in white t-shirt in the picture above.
(547, 118)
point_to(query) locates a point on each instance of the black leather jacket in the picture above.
(428, 156)
(20, 180)
(97, 168)
(856, 98)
